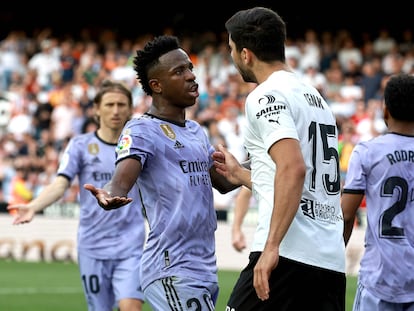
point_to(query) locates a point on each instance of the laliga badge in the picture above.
(124, 145)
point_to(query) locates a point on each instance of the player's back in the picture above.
(386, 170)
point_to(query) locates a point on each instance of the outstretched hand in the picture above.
(226, 164)
(105, 200)
(22, 213)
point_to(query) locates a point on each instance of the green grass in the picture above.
(32, 286)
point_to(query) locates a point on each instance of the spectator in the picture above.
(45, 63)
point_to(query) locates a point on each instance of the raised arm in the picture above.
(49, 195)
(115, 193)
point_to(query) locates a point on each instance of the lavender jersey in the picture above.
(383, 168)
(177, 197)
(115, 234)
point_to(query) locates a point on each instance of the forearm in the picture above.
(124, 178)
(348, 227)
(244, 176)
(50, 194)
(350, 204)
(287, 196)
(117, 188)
(223, 185)
(241, 206)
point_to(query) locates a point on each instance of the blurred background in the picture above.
(129, 19)
(54, 56)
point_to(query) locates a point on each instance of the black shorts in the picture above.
(293, 286)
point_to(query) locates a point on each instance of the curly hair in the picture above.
(148, 57)
(399, 97)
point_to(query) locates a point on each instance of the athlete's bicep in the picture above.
(286, 152)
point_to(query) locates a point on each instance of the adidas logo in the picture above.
(178, 145)
(96, 160)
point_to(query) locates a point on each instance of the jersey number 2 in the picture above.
(386, 228)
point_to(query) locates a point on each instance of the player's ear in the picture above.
(155, 85)
(246, 55)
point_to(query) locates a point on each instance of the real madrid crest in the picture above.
(168, 131)
(93, 149)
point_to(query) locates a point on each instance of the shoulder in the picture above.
(363, 147)
(83, 138)
(141, 121)
(278, 83)
(192, 123)
(84, 144)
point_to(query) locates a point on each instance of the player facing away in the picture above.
(170, 159)
(297, 257)
(382, 169)
(110, 244)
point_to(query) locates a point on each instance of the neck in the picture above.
(403, 128)
(264, 70)
(171, 113)
(109, 135)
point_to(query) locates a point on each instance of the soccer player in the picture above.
(297, 258)
(110, 244)
(170, 159)
(382, 169)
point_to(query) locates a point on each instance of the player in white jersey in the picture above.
(298, 254)
(110, 244)
(170, 159)
(382, 169)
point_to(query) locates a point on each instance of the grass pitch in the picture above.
(50, 286)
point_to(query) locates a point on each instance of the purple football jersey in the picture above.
(114, 234)
(177, 197)
(384, 168)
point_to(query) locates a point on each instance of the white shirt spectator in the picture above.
(45, 63)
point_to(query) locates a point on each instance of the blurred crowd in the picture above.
(47, 85)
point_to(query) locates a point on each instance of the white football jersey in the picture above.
(285, 107)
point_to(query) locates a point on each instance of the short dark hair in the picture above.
(260, 30)
(112, 86)
(399, 97)
(148, 57)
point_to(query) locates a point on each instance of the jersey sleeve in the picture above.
(271, 117)
(356, 177)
